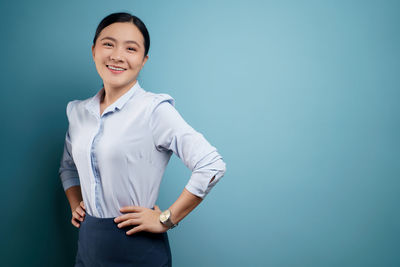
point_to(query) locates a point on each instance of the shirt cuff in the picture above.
(70, 182)
(199, 183)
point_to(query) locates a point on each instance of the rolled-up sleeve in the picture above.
(67, 171)
(171, 132)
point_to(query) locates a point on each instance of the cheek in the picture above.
(101, 55)
(136, 62)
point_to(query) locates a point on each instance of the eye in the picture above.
(107, 44)
(131, 49)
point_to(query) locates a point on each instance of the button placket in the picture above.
(95, 170)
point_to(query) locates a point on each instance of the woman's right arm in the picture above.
(71, 184)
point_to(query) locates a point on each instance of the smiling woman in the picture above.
(117, 147)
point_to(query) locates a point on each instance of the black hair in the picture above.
(124, 17)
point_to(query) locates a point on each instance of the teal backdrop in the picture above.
(301, 98)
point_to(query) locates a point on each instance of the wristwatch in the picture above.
(165, 218)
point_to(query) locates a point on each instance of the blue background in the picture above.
(301, 98)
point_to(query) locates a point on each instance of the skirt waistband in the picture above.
(97, 223)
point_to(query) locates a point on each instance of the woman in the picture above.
(117, 147)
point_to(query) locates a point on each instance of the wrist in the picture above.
(73, 206)
(166, 219)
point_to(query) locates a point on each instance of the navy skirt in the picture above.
(102, 243)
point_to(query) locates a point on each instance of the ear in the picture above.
(93, 51)
(145, 60)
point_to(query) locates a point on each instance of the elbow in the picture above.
(223, 168)
(219, 172)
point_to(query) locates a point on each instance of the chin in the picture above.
(115, 84)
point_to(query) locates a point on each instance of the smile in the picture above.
(115, 69)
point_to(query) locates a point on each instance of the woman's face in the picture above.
(119, 45)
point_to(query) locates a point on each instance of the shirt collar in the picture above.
(93, 105)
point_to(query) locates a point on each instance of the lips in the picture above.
(115, 69)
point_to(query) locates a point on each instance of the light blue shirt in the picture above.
(119, 158)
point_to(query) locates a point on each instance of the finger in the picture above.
(80, 211)
(129, 222)
(126, 217)
(77, 216)
(82, 204)
(135, 230)
(131, 209)
(74, 223)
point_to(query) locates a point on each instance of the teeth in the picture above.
(113, 68)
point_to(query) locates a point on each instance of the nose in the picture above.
(116, 55)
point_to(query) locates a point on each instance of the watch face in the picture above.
(165, 215)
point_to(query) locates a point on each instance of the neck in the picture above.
(111, 94)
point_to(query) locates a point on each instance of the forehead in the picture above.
(122, 31)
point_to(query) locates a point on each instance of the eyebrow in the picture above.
(127, 42)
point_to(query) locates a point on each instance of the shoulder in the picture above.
(76, 105)
(73, 105)
(155, 99)
(70, 106)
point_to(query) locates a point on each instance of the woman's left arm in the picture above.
(172, 133)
